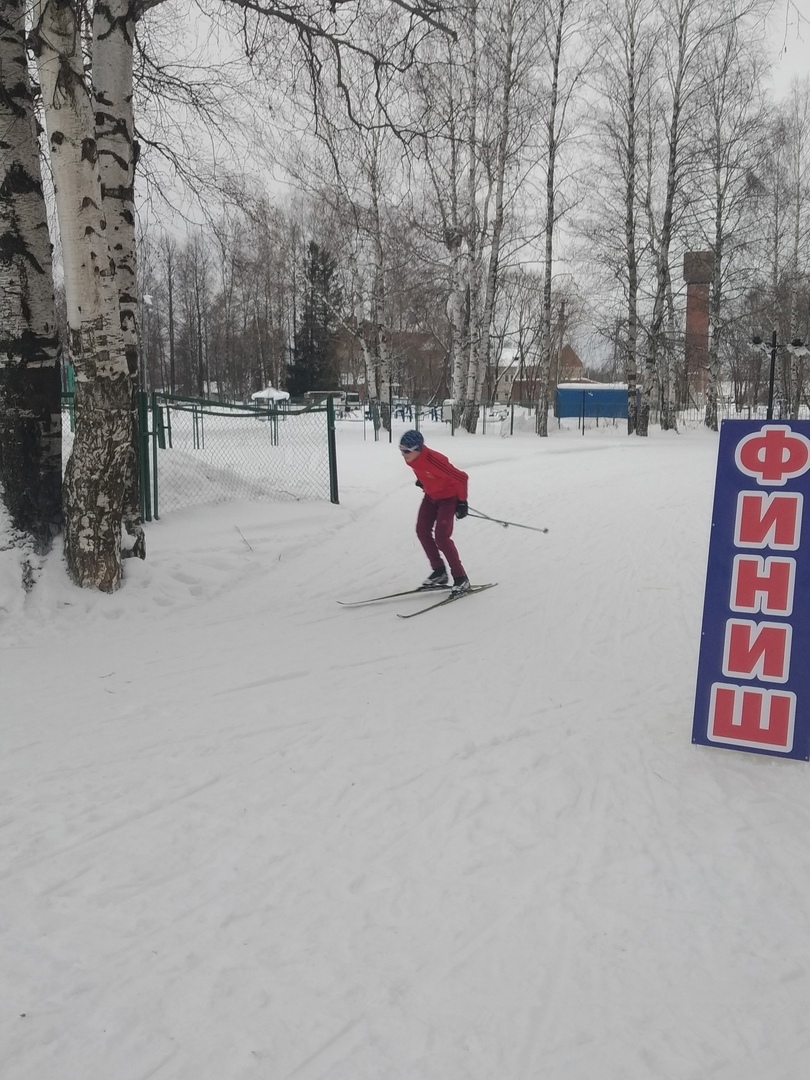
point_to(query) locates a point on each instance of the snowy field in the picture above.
(251, 834)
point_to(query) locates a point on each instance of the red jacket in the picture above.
(439, 478)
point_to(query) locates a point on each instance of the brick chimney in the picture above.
(698, 269)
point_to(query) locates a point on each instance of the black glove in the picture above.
(419, 484)
(461, 509)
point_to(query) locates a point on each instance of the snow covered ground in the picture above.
(250, 834)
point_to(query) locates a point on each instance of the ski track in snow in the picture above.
(250, 834)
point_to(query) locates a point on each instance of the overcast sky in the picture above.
(790, 39)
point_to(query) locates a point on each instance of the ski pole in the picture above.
(472, 512)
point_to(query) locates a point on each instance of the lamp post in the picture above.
(757, 340)
(795, 344)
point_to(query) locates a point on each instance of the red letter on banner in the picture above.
(757, 650)
(747, 716)
(765, 585)
(768, 520)
(773, 455)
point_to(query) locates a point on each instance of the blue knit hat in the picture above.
(412, 440)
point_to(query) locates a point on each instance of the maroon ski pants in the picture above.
(434, 527)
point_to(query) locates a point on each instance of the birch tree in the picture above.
(681, 37)
(194, 302)
(562, 37)
(30, 407)
(798, 277)
(730, 148)
(626, 50)
(688, 30)
(477, 149)
(510, 64)
(112, 95)
(365, 186)
(168, 252)
(768, 302)
(510, 111)
(447, 91)
(100, 464)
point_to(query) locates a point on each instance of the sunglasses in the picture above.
(408, 449)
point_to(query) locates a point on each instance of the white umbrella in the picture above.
(270, 394)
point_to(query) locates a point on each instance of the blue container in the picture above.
(591, 399)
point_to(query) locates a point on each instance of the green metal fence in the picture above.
(193, 451)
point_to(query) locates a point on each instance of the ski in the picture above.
(448, 600)
(394, 595)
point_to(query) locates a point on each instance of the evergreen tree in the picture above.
(314, 365)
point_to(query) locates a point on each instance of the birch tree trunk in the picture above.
(722, 154)
(715, 321)
(473, 233)
(381, 358)
(168, 249)
(479, 371)
(456, 311)
(716, 291)
(447, 91)
(30, 404)
(796, 362)
(800, 132)
(98, 468)
(473, 307)
(626, 48)
(551, 163)
(631, 352)
(454, 243)
(631, 52)
(669, 413)
(736, 144)
(666, 231)
(113, 40)
(690, 25)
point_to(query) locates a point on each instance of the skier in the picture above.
(445, 489)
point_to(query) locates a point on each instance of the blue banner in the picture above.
(753, 684)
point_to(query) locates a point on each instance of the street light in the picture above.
(796, 346)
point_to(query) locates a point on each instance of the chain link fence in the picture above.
(193, 451)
